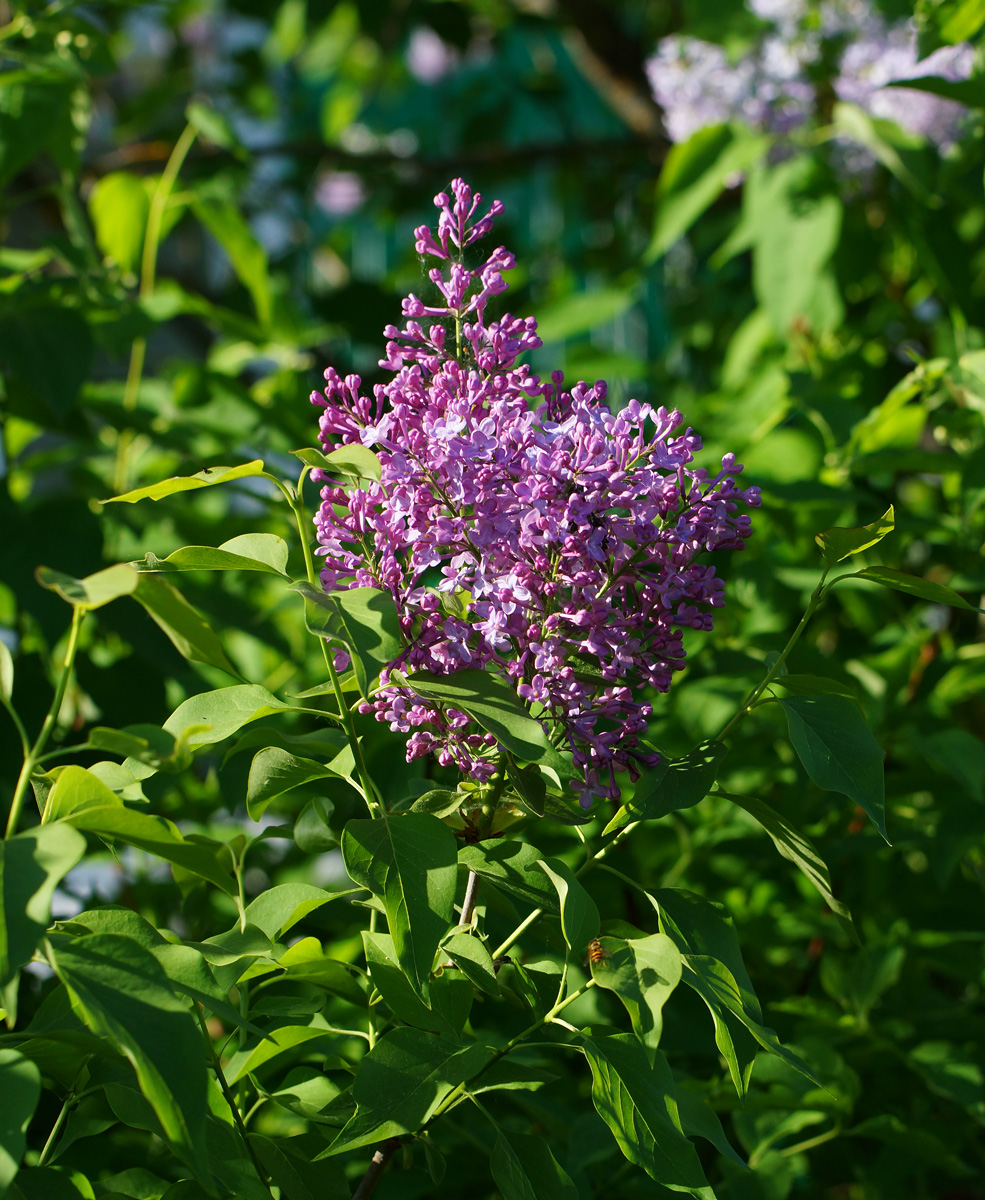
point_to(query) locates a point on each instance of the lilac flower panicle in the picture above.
(520, 528)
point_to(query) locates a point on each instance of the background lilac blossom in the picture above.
(556, 545)
(770, 86)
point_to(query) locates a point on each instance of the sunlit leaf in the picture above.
(207, 477)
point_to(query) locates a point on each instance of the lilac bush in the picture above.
(520, 528)
(773, 85)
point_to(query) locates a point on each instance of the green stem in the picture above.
(233, 1106)
(56, 1129)
(512, 1044)
(816, 597)
(148, 272)
(34, 754)
(587, 866)
(373, 798)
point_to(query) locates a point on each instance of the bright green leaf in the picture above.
(643, 973)
(473, 959)
(279, 908)
(364, 619)
(356, 461)
(207, 477)
(95, 590)
(839, 543)
(118, 206)
(512, 866)
(579, 913)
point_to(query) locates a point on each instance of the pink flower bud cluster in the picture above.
(521, 528)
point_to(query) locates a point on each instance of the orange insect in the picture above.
(597, 953)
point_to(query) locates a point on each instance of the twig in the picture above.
(376, 1168)
(471, 895)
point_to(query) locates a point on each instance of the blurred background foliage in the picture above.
(206, 202)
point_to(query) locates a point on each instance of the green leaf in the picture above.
(313, 831)
(365, 619)
(274, 772)
(913, 585)
(356, 461)
(189, 632)
(31, 866)
(400, 997)
(410, 862)
(121, 992)
(963, 21)
(95, 590)
(581, 311)
(473, 959)
(49, 350)
(699, 1119)
(48, 1183)
(145, 743)
(279, 908)
(20, 1087)
(439, 802)
(6, 673)
(211, 717)
(813, 685)
(157, 836)
(694, 175)
(207, 477)
(213, 126)
(642, 972)
(76, 789)
(496, 707)
(249, 259)
(637, 1100)
(838, 751)
(249, 552)
(579, 913)
(794, 846)
(118, 207)
(672, 785)
(295, 1174)
(525, 1169)
(401, 1082)
(514, 867)
(275, 1044)
(838, 543)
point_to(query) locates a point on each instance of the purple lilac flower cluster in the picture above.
(521, 528)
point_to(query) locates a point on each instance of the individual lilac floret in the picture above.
(521, 528)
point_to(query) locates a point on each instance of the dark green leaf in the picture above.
(49, 349)
(365, 619)
(297, 1177)
(20, 1087)
(401, 1082)
(123, 994)
(473, 959)
(838, 751)
(525, 1169)
(496, 707)
(794, 846)
(513, 866)
(313, 831)
(410, 862)
(399, 995)
(813, 685)
(637, 1100)
(189, 632)
(838, 544)
(913, 585)
(211, 861)
(672, 785)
